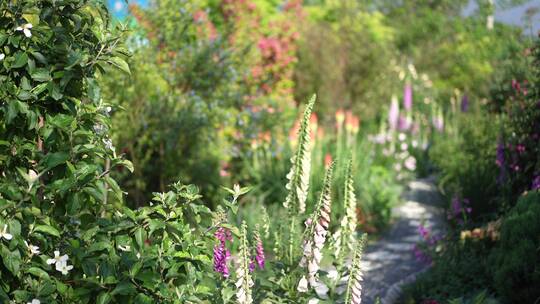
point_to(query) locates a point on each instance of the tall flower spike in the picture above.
(298, 176)
(345, 236)
(393, 114)
(221, 253)
(315, 235)
(265, 223)
(354, 284)
(259, 249)
(244, 281)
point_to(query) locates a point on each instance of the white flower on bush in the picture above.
(124, 248)
(4, 234)
(34, 301)
(410, 163)
(108, 144)
(33, 249)
(404, 146)
(402, 136)
(2, 56)
(25, 28)
(57, 258)
(63, 267)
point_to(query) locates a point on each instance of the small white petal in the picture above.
(51, 261)
(2, 56)
(302, 285)
(27, 33)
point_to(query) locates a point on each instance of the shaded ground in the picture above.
(390, 261)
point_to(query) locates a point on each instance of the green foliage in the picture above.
(66, 235)
(515, 262)
(466, 159)
(345, 55)
(460, 271)
(167, 112)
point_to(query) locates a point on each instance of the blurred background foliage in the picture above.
(405, 88)
(217, 87)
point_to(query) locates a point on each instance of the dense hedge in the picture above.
(515, 263)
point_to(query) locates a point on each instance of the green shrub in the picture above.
(466, 160)
(515, 263)
(66, 236)
(458, 271)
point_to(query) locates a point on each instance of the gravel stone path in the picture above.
(389, 262)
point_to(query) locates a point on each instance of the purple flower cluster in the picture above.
(429, 241)
(221, 253)
(459, 209)
(421, 255)
(536, 183)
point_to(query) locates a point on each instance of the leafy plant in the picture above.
(514, 263)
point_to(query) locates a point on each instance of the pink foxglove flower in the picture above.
(259, 249)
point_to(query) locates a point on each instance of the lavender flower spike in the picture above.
(259, 249)
(221, 253)
(407, 97)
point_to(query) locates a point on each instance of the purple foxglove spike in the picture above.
(221, 253)
(260, 255)
(407, 97)
(251, 265)
(465, 103)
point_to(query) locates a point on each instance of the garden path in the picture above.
(389, 262)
